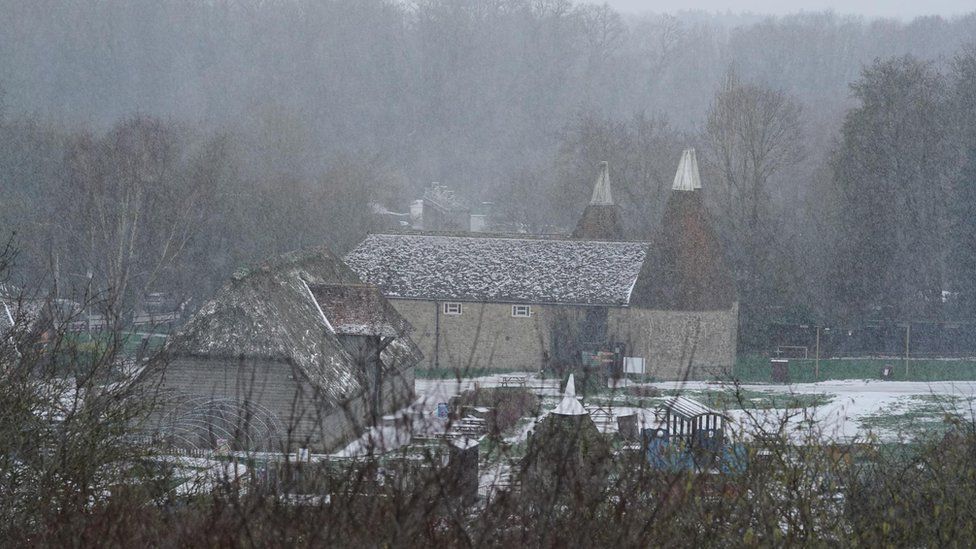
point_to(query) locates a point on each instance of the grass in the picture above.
(728, 399)
(753, 369)
(914, 415)
(623, 399)
(131, 341)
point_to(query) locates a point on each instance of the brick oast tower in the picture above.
(601, 218)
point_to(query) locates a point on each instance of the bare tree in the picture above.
(138, 199)
(641, 153)
(603, 29)
(752, 133)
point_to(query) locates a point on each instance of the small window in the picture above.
(521, 310)
(452, 308)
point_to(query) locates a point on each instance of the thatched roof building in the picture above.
(292, 329)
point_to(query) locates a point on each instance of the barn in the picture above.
(521, 302)
(294, 353)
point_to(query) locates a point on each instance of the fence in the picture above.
(918, 339)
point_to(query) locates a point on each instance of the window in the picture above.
(452, 308)
(521, 310)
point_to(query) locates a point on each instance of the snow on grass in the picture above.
(843, 410)
(856, 408)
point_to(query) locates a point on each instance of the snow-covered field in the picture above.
(885, 410)
(838, 410)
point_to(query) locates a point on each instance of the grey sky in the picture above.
(903, 9)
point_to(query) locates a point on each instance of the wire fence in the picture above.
(914, 339)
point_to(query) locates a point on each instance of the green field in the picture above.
(753, 369)
(917, 415)
(129, 342)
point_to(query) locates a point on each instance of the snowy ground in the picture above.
(831, 410)
(841, 411)
(199, 476)
(421, 417)
(886, 410)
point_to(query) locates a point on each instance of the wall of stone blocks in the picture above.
(679, 344)
(486, 335)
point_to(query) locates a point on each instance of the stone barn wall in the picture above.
(484, 335)
(668, 340)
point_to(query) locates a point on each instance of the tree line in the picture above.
(159, 146)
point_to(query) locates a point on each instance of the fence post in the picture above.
(908, 336)
(816, 367)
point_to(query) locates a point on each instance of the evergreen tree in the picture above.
(963, 212)
(892, 172)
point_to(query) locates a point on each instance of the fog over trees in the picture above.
(161, 144)
(202, 343)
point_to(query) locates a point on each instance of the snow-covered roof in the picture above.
(499, 269)
(601, 190)
(687, 177)
(570, 405)
(35, 313)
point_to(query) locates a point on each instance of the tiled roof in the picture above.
(686, 269)
(358, 309)
(499, 269)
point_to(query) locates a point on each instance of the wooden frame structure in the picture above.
(691, 420)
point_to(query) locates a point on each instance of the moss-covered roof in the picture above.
(268, 312)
